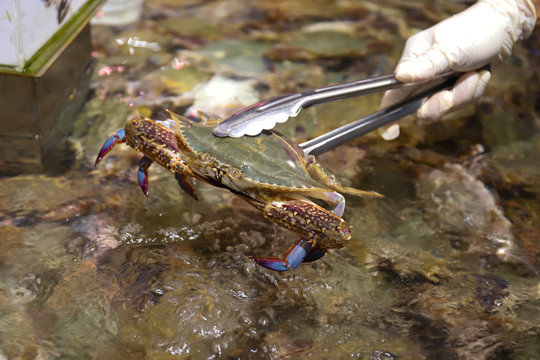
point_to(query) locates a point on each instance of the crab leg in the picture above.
(118, 137)
(185, 185)
(333, 198)
(293, 257)
(142, 176)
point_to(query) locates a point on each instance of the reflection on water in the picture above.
(444, 267)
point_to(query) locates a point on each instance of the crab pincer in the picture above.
(118, 137)
(142, 174)
(324, 229)
(301, 251)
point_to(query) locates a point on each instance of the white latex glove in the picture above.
(485, 31)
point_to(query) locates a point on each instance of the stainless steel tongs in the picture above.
(267, 113)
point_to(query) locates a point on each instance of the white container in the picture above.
(26, 26)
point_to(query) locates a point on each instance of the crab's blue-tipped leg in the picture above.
(142, 174)
(293, 257)
(185, 185)
(118, 137)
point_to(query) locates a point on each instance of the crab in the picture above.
(269, 171)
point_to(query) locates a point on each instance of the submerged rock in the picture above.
(458, 203)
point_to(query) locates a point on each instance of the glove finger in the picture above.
(436, 106)
(423, 67)
(417, 45)
(391, 97)
(469, 87)
(389, 132)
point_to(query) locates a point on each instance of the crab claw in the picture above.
(293, 257)
(314, 254)
(142, 174)
(118, 137)
(185, 185)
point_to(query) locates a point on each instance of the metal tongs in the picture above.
(266, 114)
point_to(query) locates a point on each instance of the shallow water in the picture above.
(445, 266)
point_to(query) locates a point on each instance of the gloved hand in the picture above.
(464, 42)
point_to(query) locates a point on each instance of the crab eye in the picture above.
(204, 157)
(168, 123)
(235, 174)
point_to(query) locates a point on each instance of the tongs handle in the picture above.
(342, 91)
(374, 121)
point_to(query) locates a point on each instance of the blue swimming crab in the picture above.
(269, 171)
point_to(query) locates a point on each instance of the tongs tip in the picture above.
(227, 129)
(250, 121)
(223, 132)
